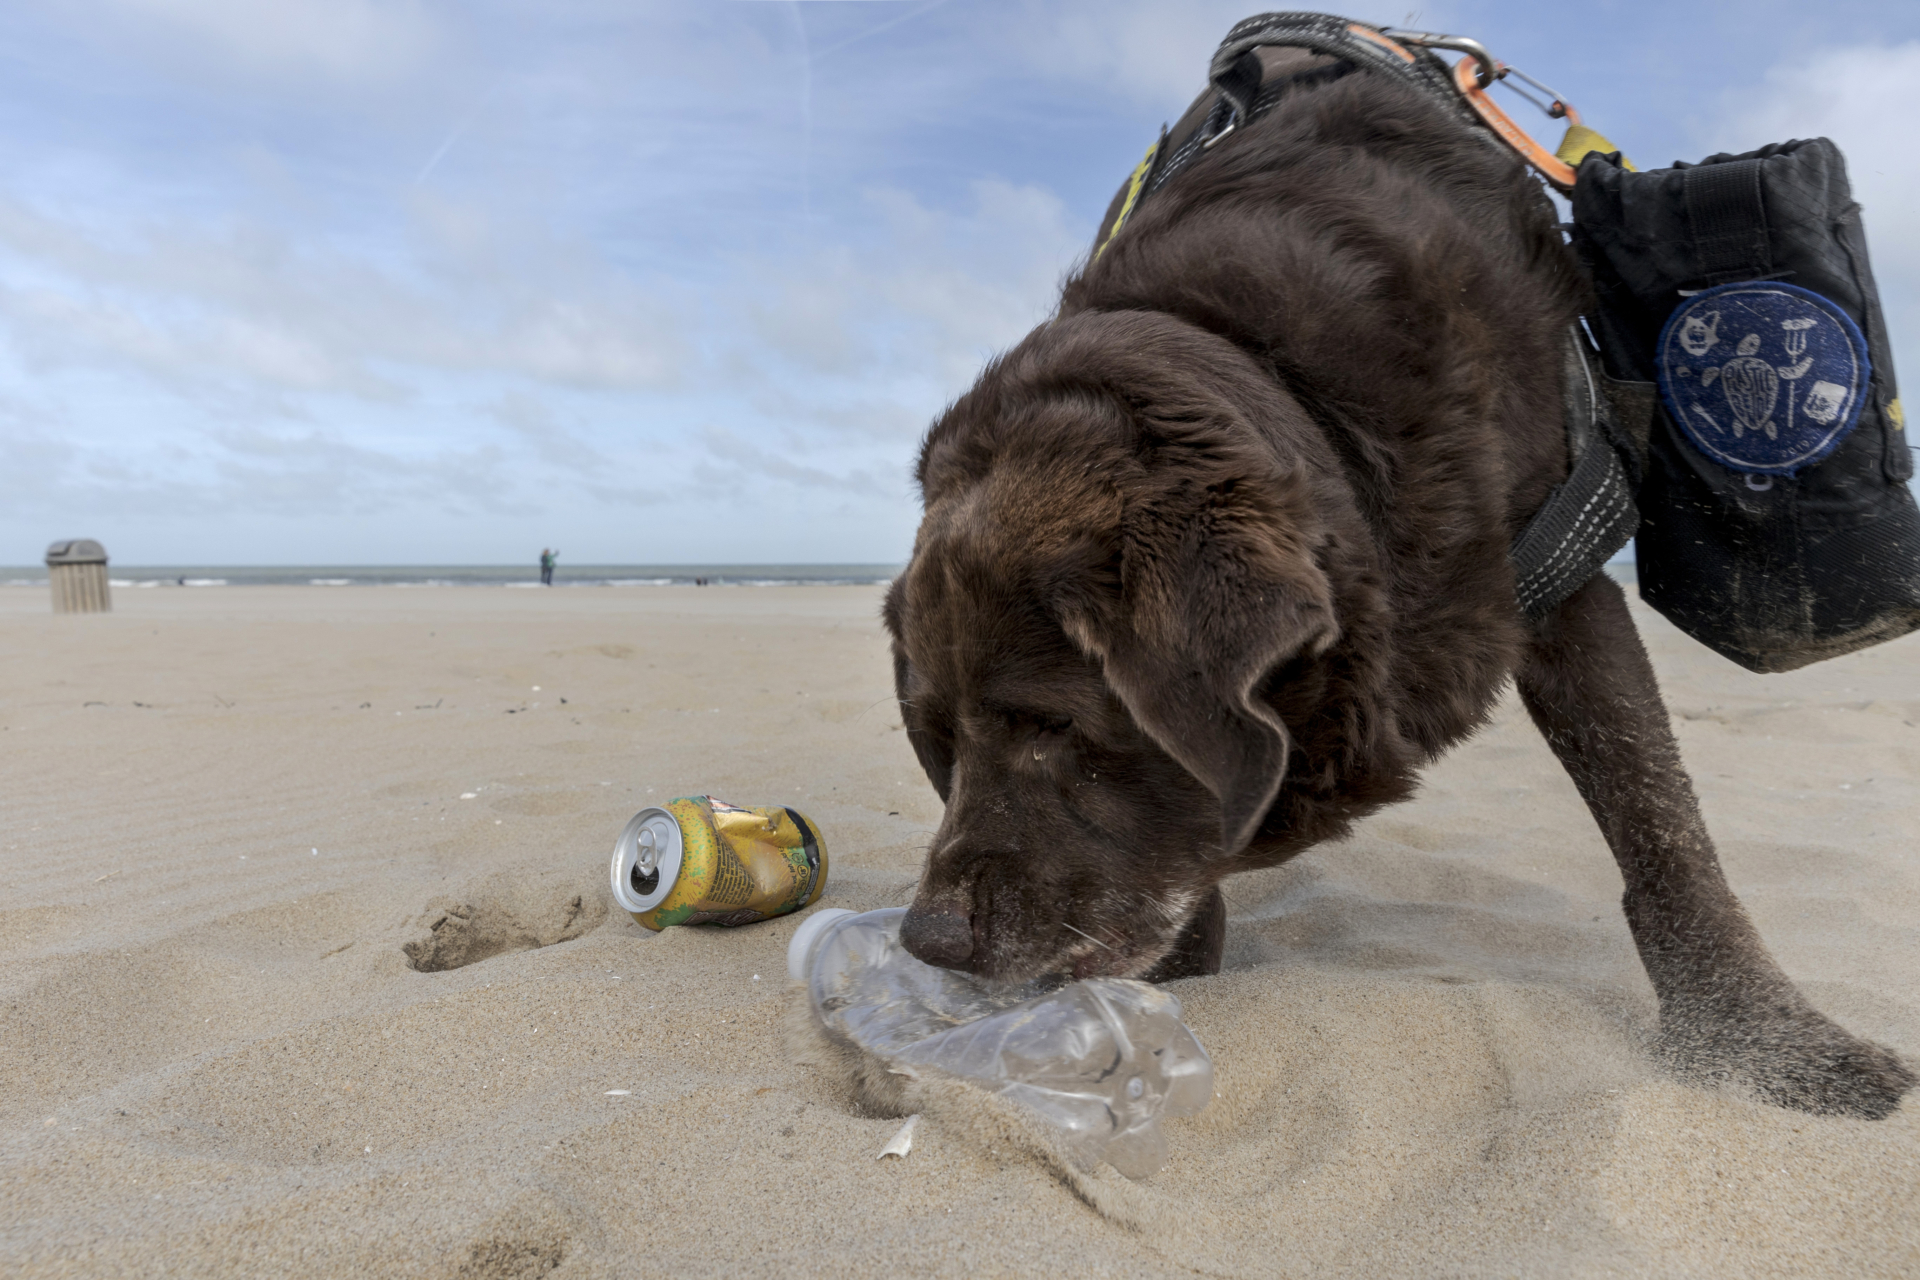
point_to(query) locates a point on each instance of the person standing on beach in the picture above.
(546, 566)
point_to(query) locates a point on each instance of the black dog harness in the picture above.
(1592, 514)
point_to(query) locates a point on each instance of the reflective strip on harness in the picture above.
(1583, 523)
(1589, 517)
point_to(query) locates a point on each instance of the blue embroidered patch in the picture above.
(1763, 377)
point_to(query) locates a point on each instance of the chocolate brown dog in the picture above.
(1217, 558)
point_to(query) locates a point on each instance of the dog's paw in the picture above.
(1798, 1059)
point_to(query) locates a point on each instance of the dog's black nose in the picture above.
(943, 938)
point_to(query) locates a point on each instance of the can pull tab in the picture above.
(646, 860)
(645, 876)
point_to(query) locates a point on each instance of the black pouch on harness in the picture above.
(1776, 522)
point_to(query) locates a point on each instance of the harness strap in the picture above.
(1243, 93)
(1728, 219)
(1592, 514)
(1355, 42)
(1171, 154)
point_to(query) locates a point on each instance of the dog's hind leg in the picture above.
(1726, 1009)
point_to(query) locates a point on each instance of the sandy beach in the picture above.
(225, 813)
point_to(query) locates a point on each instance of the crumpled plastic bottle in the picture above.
(1101, 1059)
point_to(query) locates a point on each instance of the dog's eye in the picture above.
(1039, 723)
(1025, 722)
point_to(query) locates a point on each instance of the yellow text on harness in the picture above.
(1134, 185)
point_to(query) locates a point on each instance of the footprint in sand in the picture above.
(501, 914)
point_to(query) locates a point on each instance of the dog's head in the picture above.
(1114, 573)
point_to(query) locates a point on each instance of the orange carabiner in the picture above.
(1557, 172)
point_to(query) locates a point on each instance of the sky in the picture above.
(402, 282)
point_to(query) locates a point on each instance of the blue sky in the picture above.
(357, 281)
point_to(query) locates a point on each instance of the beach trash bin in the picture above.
(77, 569)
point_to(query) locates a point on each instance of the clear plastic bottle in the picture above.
(1102, 1059)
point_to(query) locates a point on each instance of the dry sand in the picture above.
(225, 812)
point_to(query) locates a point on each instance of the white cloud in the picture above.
(922, 290)
(246, 471)
(536, 423)
(1148, 50)
(343, 40)
(1857, 97)
(254, 305)
(731, 459)
(250, 345)
(657, 251)
(850, 350)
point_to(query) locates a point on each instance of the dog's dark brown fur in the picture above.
(1215, 560)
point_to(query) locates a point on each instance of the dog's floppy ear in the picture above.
(1218, 588)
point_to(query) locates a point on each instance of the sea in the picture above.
(475, 575)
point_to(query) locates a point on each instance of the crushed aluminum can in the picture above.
(698, 860)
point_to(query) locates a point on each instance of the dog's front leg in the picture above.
(1201, 943)
(1726, 1009)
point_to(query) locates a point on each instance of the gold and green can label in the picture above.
(698, 860)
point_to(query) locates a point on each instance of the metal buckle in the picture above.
(1489, 70)
(1233, 122)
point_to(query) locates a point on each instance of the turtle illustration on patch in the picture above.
(1752, 386)
(1741, 400)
